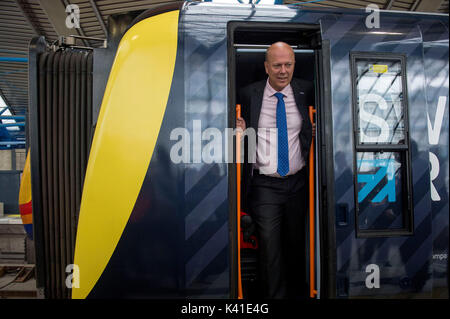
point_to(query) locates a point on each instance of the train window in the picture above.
(380, 174)
(382, 155)
(379, 102)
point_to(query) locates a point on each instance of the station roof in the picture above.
(22, 20)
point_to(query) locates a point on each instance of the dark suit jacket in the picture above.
(250, 99)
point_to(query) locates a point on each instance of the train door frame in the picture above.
(324, 149)
(325, 180)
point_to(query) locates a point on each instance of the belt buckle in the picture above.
(279, 175)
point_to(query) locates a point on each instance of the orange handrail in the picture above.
(312, 278)
(238, 181)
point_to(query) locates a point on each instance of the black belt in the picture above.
(256, 172)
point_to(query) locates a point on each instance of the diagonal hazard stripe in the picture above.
(379, 211)
(420, 199)
(344, 194)
(206, 207)
(432, 34)
(422, 226)
(216, 275)
(206, 230)
(357, 247)
(206, 254)
(440, 224)
(195, 174)
(197, 62)
(344, 25)
(421, 255)
(440, 234)
(354, 246)
(199, 182)
(440, 208)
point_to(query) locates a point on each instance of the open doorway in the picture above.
(247, 45)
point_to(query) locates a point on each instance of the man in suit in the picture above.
(275, 186)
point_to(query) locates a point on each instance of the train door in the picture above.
(383, 237)
(247, 44)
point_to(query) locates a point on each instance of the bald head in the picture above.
(279, 65)
(278, 46)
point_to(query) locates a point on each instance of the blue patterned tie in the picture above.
(283, 148)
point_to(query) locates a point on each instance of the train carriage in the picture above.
(156, 214)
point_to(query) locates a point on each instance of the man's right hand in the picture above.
(240, 122)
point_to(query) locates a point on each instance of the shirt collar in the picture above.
(270, 91)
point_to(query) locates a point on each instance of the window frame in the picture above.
(407, 200)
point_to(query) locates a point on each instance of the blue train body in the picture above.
(382, 170)
(192, 244)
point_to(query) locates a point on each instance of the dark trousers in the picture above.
(279, 212)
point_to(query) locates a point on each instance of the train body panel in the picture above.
(388, 198)
(403, 263)
(435, 55)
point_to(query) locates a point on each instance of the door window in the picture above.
(382, 155)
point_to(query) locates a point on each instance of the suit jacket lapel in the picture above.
(256, 104)
(299, 96)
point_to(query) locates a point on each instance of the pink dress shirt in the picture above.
(267, 150)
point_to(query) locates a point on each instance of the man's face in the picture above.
(280, 65)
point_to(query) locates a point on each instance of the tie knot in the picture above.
(279, 96)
